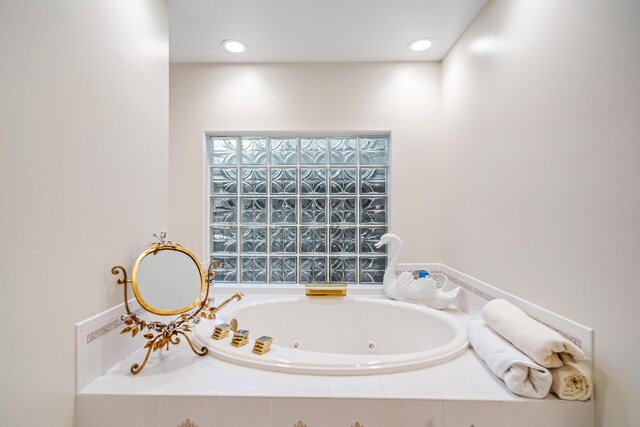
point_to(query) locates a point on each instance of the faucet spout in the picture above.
(211, 311)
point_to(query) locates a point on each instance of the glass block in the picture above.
(343, 269)
(224, 239)
(254, 269)
(284, 151)
(373, 180)
(343, 181)
(254, 180)
(283, 211)
(224, 210)
(313, 210)
(369, 236)
(228, 271)
(283, 239)
(283, 269)
(313, 180)
(313, 239)
(342, 210)
(223, 151)
(372, 269)
(254, 151)
(284, 181)
(373, 210)
(373, 151)
(313, 269)
(343, 151)
(343, 239)
(313, 151)
(254, 210)
(254, 239)
(224, 181)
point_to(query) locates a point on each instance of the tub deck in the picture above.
(177, 385)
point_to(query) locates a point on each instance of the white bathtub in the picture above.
(339, 336)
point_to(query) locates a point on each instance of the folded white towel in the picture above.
(521, 374)
(570, 382)
(544, 345)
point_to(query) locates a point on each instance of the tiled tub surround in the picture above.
(177, 385)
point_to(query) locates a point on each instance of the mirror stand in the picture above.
(161, 335)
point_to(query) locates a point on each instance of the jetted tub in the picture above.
(339, 336)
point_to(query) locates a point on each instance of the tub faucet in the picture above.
(211, 310)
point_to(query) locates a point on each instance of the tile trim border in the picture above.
(105, 329)
(481, 293)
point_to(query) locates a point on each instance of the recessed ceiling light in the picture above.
(420, 45)
(233, 46)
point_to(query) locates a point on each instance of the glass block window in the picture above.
(298, 209)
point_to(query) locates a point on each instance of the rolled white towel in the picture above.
(521, 374)
(570, 382)
(544, 345)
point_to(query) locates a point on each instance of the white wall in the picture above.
(400, 97)
(541, 167)
(83, 180)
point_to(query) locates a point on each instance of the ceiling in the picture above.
(316, 30)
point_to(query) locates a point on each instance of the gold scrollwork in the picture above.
(187, 423)
(299, 424)
(357, 424)
(161, 335)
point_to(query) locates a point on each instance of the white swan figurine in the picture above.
(425, 290)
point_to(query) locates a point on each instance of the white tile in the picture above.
(139, 411)
(467, 374)
(354, 382)
(419, 380)
(95, 358)
(476, 413)
(91, 411)
(288, 412)
(414, 413)
(243, 411)
(356, 394)
(574, 414)
(243, 381)
(547, 413)
(172, 372)
(289, 385)
(412, 394)
(365, 386)
(176, 410)
(346, 412)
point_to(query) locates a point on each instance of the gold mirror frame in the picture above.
(160, 335)
(204, 285)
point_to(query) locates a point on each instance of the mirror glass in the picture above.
(168, 281)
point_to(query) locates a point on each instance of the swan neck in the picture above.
(395, 252)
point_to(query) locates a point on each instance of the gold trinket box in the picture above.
(221, 331)
(240, 338)
(262, 345)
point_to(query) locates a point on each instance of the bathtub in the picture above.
(339, 336)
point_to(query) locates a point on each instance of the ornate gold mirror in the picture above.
(167, 281)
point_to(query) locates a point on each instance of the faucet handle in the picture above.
(240, 338)
(221, 331)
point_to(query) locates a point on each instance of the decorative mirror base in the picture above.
(160, 335)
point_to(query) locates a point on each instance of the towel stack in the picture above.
(529, 357)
